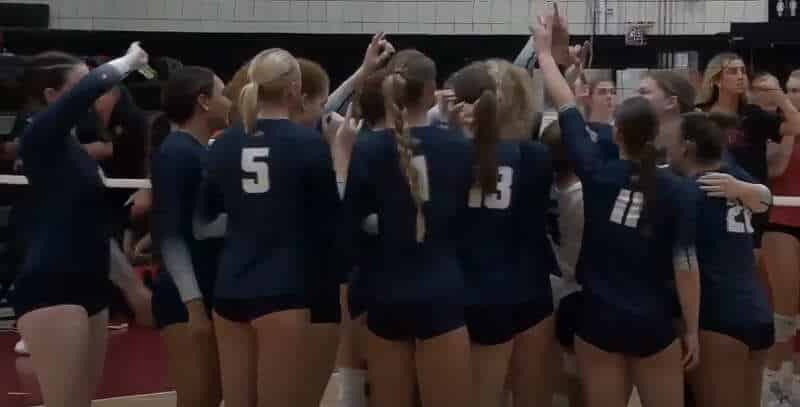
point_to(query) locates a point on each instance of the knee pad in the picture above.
(785, 327)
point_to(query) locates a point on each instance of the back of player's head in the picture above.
(516, 102)
(368, 101)
(636, 125)
(410, 79)
(474, 85)
(180, 95)
(47, 73)
(704, 134)
(409, 84)
(315, 78)
(274, 78)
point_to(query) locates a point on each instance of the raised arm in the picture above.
(50, 129)
(378, 53)
(586, 154)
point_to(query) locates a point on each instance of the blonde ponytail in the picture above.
(248, 105)
(393, 89)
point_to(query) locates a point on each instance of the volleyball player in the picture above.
(277, 184)
(416, 177)
(735, 322)
(61, 296)
(650, 213)
(324, 308)
(504, 255)
(193, 102)
(368, 104)
(781, 236)
(724, 90)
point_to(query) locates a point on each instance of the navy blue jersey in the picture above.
(412, 272)
(603, 135)
(504, 253)
(620, 263)
(730, 289)
(368, 245)
(278, 188)
(71, 228)
(177, 173)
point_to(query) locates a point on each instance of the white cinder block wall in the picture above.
(394, 16)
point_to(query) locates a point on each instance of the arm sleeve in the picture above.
(172, 204)
(49, 132)
(585, 154)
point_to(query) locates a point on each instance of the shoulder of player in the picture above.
(675, 187)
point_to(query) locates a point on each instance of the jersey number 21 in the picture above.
(254, 162)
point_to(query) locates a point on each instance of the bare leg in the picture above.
(281, 343)
(58, 339)
(237, 356)
(603, 375)
(193, 365)
(535, 357)
(444, 370)
(659, 378)
(391, 372)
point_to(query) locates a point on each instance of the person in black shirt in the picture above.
(61, 295)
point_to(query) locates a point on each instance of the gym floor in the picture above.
(135, 373)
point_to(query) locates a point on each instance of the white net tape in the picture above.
(132, 183)
(122, 183)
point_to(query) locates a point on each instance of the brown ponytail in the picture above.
(486, 138)
(645, 181)
(475, 84)
(637, 121)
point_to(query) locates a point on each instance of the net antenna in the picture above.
(636, 34)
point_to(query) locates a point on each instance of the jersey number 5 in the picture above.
(628, 208)
(254, 163)
(498, 200)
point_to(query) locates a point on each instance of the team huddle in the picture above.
(434, 208)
